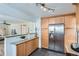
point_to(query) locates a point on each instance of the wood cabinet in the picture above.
(51, 20)
(70, 37)
(35, 44)
(77, 15)
(20, 49)
(26, 48)
(44, 38)
(44, 23)
(31, 46)
(59, 20)
(56, 20)
(70, 21)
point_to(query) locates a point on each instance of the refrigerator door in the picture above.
(56, 37)
(59, 37)
(51, 37)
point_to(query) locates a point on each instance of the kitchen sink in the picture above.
(75, 47)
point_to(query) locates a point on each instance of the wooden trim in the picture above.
(58, 15)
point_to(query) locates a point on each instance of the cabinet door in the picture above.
(28, 47)
(20, 49)
(51, 20)
(35, 44)
(44, 23)
(77, 16)
(70, 37)
(44, 38)
(70, 21)
(59, 20)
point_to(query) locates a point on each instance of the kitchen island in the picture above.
(16, 46)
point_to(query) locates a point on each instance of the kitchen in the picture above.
(40, 29)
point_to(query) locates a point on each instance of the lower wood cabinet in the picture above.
(20, 49)
(26, 48)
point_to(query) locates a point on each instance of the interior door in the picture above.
(59, 37)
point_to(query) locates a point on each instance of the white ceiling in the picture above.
(31, 12)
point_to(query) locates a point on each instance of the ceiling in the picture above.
(31, 12)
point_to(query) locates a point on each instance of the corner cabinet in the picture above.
(27, 47)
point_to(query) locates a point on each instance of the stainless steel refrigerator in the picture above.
(56, 37)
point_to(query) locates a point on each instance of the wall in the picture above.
(21, 28)
(38, 26)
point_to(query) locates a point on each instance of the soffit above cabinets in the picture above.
(29, 11)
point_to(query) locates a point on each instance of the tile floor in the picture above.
(44, 52)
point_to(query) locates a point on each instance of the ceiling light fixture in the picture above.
(44, 7)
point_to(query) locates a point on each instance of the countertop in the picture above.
(69, 50)
(21, 41)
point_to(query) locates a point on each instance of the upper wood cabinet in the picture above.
(44, 38)
(59, 20)
(44, 23)
(56, 20)
(70, 21)
(51, 20)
